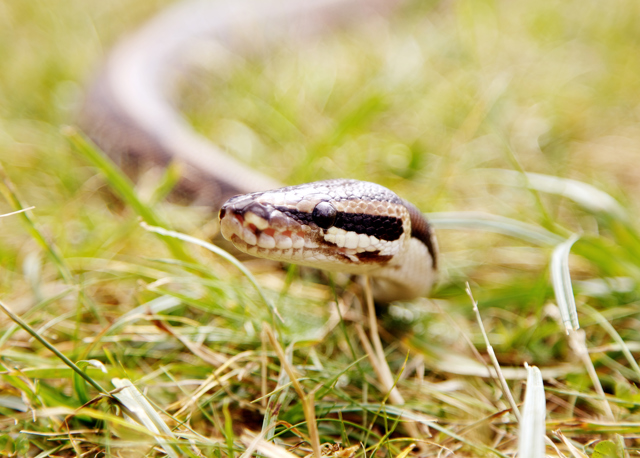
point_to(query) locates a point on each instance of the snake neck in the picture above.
(413, 272)
(410, 275)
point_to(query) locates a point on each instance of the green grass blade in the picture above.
(615, 336)
(53, 349)
(493, 223)
(8, 191)
(121, 185)
(585, 195)
(220, 252)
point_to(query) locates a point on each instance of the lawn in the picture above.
(515, 126)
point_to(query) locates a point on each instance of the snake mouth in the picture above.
(262, 230)
(257, 225)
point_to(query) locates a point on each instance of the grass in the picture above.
(436, 104)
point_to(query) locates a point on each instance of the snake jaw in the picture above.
(246, 226)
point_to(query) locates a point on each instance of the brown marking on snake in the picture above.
(373, 257)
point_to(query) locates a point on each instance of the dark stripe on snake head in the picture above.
(380, 226)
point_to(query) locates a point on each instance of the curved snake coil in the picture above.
(341, 225)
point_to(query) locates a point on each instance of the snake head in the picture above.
(342, 225)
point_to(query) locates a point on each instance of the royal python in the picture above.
(340, 225)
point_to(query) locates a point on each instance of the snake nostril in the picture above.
(222, 212)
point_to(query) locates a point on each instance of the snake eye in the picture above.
(324, 215)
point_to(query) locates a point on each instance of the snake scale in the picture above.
(340, 225)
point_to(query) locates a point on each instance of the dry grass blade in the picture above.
(277, 399)
(575, 451)
(17, 211)
(561, 280)
(496, 365)
(578, 342)
(383, 370)
(307, 400)
(266, 448)
(405, 452)
(531, 434)
(137, 405)
(377, 365)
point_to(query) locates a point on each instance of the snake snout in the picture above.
(244, 219)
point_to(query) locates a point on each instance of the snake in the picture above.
(341, 225)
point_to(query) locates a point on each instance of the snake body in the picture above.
(341, 225)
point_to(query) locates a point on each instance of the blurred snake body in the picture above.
(340, 225)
